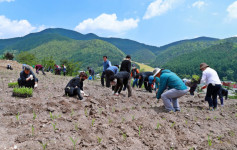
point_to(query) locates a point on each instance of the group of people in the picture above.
(167, 85)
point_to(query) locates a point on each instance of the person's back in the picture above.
(210, 76)
(74, 82)
(114, 69)
(171, 80)
(126, 66)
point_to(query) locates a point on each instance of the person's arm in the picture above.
(109, 63)
(36, 79)
(204, 77)
(162, 87)
(129, 66)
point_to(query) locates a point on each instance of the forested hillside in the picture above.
(222, 57)
(89, 53)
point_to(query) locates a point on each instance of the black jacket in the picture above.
(75, 82)
(24, 76)
(126, 66)
(144, 77)
(123, 76)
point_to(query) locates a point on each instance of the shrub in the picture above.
(8, 56)
(12, 84)
(23, 92)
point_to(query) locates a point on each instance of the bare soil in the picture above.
(116, 119)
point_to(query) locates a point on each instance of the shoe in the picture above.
(177, 110)
(116, 94)
(80, 98)
(211, 109)
(222, 105)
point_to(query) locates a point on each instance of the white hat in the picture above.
(156, 71)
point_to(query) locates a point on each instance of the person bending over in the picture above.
(75, 86)
(27, 78)
(122, 80)
(109, 74)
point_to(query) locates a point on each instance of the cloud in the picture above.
(159, 7)
(16, 28)
(198, 4)
(232, 10)
(7, 1)
(106, 23)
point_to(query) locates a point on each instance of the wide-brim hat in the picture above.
(203, 65)
(156, 71)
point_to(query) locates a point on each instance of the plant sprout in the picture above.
(208, 118)
(113, 110)
(140, 127)
(86, 114)
(100, 111)
(76, 127)
(186, 122)
(93, 121)
(34, 115)
(74, 143)
(72, 113)
(157, 125)
(99, 139)
(51, 115)
(110, 121)
(54, 126)
(124, 136)
(44, 146)
(172, 125)
(123, 119)
(32, 130)
(17, 116)
(133, 118)
(209, 141)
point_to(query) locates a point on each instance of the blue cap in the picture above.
(151, 79)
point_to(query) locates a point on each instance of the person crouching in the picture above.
(75, 86)
(27, 78)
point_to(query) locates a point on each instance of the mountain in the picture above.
(89, 53)
(222, 57)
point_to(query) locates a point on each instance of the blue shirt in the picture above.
(114, 69)
(106, 65)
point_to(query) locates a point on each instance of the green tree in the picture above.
(71, 66)
(26, 58)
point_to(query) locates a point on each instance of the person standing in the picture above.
(176, 88)
(64, 69)
(91, 72)
(135, 75)
(106, 65)
(212, 80)
(126, 66)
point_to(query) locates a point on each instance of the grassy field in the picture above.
(144, 67)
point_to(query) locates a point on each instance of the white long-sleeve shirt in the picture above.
(210, 76)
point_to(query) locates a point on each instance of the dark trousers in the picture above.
(223, 92)
(28, 84)
(149, 88)
(146, 85)
(211, 95)
(109, 76)
(71, 91)
(192, 89)
(119, 86)
(42, 69)
(102, 78)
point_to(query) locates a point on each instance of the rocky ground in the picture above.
(104, 121)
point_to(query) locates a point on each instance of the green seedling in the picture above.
(232, 133)
(163, 118)
(72, 113)
(133, 118)
(133, 108)
(186, 122)
(110, 121)
(32, 130)
(54, 126)
(113, 110)
(23, 92)
(51, 115)
(92, 122)
(123, 119)
(172, 125)
(74, 143)
(13, 84)
(44, 146)
(208, 118)
(99, 139)
(209, 141)
(191, 148)
(140, 127)
(215, 117)
(195, 118)
(124, 136)
(157, 125)
(86, 114)
(76, 127)
(236, 115)
(219, 138)
(17, 116)
(34, 115)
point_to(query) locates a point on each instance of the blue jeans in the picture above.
(135, 82)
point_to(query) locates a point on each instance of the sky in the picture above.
(153, 22)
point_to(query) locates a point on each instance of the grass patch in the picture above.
(23, 92)
(233, 97)
(12, 84)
